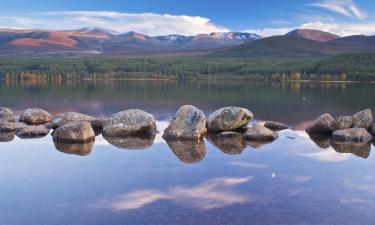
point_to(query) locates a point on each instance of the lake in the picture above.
(293, 180)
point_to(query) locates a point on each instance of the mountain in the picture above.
(315, 35)
(356, 41)
(91, 40)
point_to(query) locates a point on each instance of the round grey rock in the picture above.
(68, 117)
(6, 115)
(74, 132)
(11, 127)
(322, 125)
(33, 132)
(354, 135)
(342, 122)
(259, 133)
(275, 126)
(35, 116)
(228, 119)
(363, 119)
(189, 123)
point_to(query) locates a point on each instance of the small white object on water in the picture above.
(273, 175)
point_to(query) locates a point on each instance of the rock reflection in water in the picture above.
(322, 141)
(81, 149)
(188, 151)
(361, 150)
(132, 143)
(6, 137)
(232, 145)
(257, 144)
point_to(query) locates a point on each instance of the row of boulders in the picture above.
(345, 129)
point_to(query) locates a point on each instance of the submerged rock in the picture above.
(363, 119)
(322, 125)
(230, 143)
(131, 122)
(11, 127)
(81, 149)
(342, 122)
(132, 143)
(6, 137)
(6, 115)
(35, 116)
(188, 151)
(228, 119)
(33, 132)
(259, 133)
(74, 132)
(275, 126)
(189, 123)
(322, 141)
(68, 117)
(355, 135)
(359, 149)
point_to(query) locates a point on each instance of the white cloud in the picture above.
(146, 23)
(344, 7)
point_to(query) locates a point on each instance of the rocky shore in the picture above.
(229, 128)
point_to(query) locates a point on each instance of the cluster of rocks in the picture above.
(344, 133)
(226, 128)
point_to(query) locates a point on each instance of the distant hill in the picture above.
(356, 41)
(315, 35)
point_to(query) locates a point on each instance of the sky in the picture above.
(191, 17)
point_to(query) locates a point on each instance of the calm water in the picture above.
(290, 181)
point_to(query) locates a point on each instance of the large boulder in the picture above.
(6, 115)
(228, 119)
(259, 133)
(11, 127)
(35, 116)
(189, 123)
(354, 135)
(33, 132)
(74, 132)
(230, 143)
(321, 126)
(342, 122)
(275, 126)
(188, 151)
(68, 117)
(363, 119)
(130, 122)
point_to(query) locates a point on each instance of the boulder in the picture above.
(188, 151)
(230, 143)
(131, 122)
(363, 119)
(275, 126)
(6, 115)
(342, 122)
(189, 123)
(68, 117)
(33, 132)
(353, 135)
(359, 149)
(228, 119)
(321, 126)
(6, 137)
(80, 149)
(74, 132)
(132, 143)
(35, 116)
(11, 127)
(259, 133)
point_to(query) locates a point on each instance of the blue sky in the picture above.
(159, 17)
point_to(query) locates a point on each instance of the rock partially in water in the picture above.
(68, 117)
(35, 116)
(275, 126)
(363, 119)
(322, 141)
(188, 151)
(6, 115)
(342, 122)
(131, 122)
(189, 123)
(259, 133)
(322, 125)
(354, 135)
(11, 127)
(359, 149)
(33, 132)
(228, 119)
(230, 143)
(132, 143)
(80, 149)
(6, 137)
(74, 132)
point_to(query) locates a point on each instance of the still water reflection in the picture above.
(294, 180)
